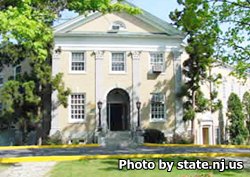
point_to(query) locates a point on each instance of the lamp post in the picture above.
(138, 106)
(99, 105)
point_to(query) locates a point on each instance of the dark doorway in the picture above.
(118, 110)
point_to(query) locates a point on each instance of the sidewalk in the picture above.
(38, 169)
(108, 151)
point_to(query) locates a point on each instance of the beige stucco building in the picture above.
(118, 60)
(211, 128)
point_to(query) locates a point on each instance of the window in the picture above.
(78, 62)
(157, 107)
(118, 25)
(118, 62)
(17, 72)
(77, 107)
(157, 61)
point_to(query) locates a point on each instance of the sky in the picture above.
(159, 8)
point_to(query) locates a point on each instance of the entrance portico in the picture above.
(118, 110)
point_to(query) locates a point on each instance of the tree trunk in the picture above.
(193, 120)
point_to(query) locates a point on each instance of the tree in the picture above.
(26, 31)
(231, 19)
(246, 109)
(237, 130)
(197, 22)
(234, 43)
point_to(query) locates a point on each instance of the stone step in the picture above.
(118, 139)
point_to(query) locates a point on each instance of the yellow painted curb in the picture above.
(116, 156)
(197, 145)
(48, 146)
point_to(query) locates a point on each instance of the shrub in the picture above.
(237, 129)
(182, 139)
(153, 136)
(55, 139)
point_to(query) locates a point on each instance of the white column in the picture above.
(99, 56)
(179, 124)
(136, 88)
(54, 105)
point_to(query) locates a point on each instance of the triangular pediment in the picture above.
(103, 23)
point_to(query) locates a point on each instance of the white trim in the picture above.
(125, 63)
(104, 107)
(165, 110)
(117, 48)
(164, 62)
(116, 44)
(73, 121)
(206, 124)
(70, 71)
(116, 23)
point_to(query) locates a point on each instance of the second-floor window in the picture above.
(118, 62)
(157, 62)
(78, 61)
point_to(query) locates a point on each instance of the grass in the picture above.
(4, 167)
(109, 167)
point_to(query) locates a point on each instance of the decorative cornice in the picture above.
(99, 54)
(135, 55)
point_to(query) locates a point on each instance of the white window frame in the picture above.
(69, 109)
(111, 61)
(163, 119)
(164, 60)
(120, 24)
(14, 71)
(70, 63)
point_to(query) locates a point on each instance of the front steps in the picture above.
(117, 139)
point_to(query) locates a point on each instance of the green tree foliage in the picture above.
(231, 21)
(246, 110)
(197, 22)
(234, 41)
(26, 31)
(237, 130)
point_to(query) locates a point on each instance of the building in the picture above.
(118, 60)
(211, 128)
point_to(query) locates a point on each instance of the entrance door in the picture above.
(118, 110)
(205, 134)
(116, 117)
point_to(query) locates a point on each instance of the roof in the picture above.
(167, 29)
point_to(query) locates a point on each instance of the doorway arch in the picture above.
(118, 109)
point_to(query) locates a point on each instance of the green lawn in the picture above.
(109, 168)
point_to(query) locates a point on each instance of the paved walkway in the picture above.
(107, 151)
(38, 169)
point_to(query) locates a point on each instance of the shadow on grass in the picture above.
(111, 165)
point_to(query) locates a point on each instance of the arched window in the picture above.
(118, 25)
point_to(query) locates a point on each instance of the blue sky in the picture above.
(159, 8)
